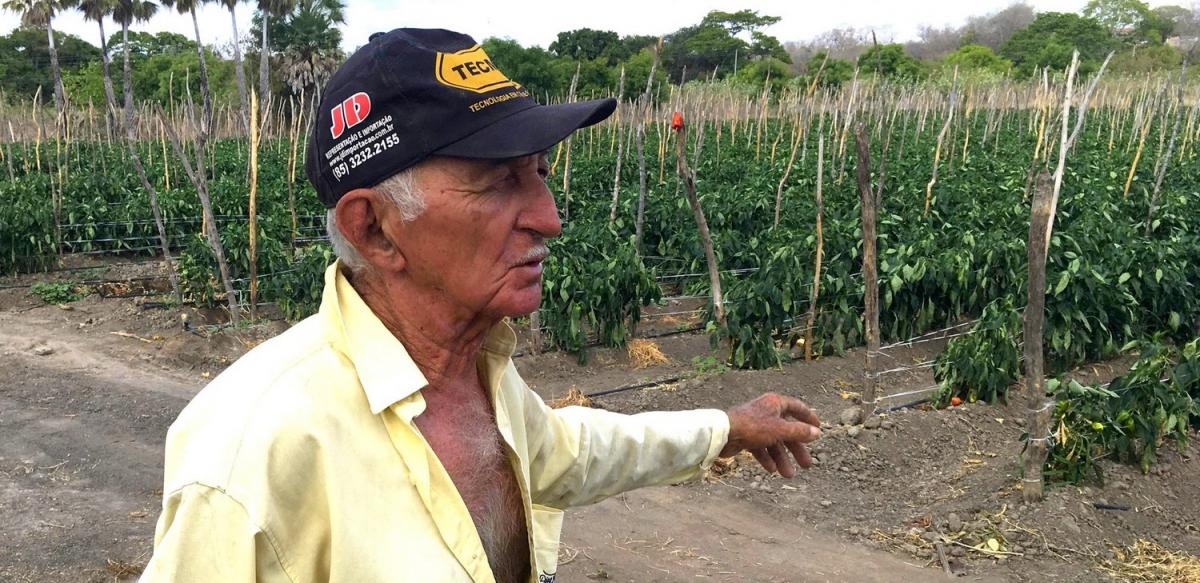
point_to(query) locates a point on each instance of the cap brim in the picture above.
(531, 130)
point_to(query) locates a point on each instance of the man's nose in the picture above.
(542, 214)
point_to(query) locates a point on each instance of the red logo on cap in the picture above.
(350, 113)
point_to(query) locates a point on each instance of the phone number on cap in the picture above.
(372, 150)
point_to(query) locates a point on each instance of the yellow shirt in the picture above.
(301, 462)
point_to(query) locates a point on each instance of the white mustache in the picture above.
(536, 253)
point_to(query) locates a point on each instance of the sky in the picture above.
(536, 22)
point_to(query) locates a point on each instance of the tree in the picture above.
(25, 60)
(1178, 21)
(40, 13)
(737, 22)
(585, 44)
(98, 10)
(1119, 16)
(699, 50)
(767, 46)
(758, 73)
(993, 30)
(890, 61)
(975, 57)
(189, 7)
(243, 96)
(933, 43)
(827, 71)
(531, 67)
(1049, 40)
(637, 72)
(267, 9)
(306, 42)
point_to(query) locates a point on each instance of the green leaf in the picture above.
(1062, 283)
(1124, 277)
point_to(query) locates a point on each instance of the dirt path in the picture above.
(81, 435)
(709, 531)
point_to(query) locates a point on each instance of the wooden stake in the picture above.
(1041, 227)
(816, 286)
(870, 277)
(252, 212)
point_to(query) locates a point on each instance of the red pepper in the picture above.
(676, 121)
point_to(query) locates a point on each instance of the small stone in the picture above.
(924, 553)
(1018, 549)
(954, 523)
(931, 536)
(1068, 524)
(872, 422)
(43, 350)
(844, 469)
(854, 531)
(1122, 485)
(1020, 422)
(887, 425)
(854, 431)
(851, 416)
(958, 551)
(826, 503)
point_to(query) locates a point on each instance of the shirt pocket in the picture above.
(547, 528)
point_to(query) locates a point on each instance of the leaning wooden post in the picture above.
(685, 176)
(616, 195)
(1161, 172)
(567, 164)
(253, 210)
(816, 285)
(1041, 227)
(870, 277)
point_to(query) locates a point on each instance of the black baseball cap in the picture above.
(412, 93)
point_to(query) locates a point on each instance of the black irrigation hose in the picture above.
(635, 386)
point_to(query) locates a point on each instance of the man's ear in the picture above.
(361, 216)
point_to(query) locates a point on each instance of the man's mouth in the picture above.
(534, 257)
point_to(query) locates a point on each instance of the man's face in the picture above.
(481, 240)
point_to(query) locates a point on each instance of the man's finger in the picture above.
(782, 463)
(796, 409)
(764, 459)
(803, 458)
(802, 431)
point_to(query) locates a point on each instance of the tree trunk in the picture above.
(111, 112)
(685, 176)
(1041, 227)
(200, 181)
(264, 59)
(60, 94)
(131, 143)
(206, 122)
(239, 70)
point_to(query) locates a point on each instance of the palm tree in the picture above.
(189, 7)
(98, 10)
(311, 51)
(40, 13)
(268, 8)
(237, 63)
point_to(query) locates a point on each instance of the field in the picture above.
(96, 362)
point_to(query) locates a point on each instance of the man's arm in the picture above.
(581, 455)
(204, 535)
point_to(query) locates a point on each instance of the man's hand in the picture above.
(771, 426)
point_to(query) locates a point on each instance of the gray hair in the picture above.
(401, 190)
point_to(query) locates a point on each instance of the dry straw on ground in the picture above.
(572, 398)
(644, 353)
(1146, 562)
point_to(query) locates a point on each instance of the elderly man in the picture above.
(389, 437)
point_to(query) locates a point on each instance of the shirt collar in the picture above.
(385, 370)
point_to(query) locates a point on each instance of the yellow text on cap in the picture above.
(470, 69)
